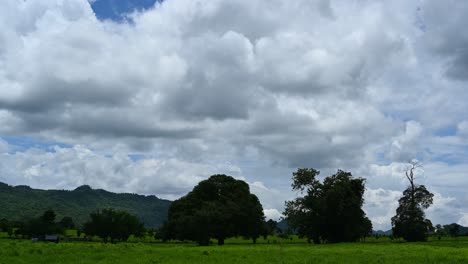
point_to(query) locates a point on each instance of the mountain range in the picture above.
(19, 203)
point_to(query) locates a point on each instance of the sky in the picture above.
(152, 97)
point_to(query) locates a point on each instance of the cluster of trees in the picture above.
(7, 226)
(221, 207)
(37, 227)
(330, 211)
(112, 225)
(108, 224)
(452, 230)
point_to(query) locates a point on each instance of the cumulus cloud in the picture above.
(165, 77)
(68, 168)
(407, 146)
(444, 209)
(272, 214)
(380, 206)
(193, 86)
(444, 36)
(463, 220)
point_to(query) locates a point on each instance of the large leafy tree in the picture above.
(219, 207)
(113, 225)
(409, 221)
(330, 211)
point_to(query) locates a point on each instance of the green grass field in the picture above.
(238, 251)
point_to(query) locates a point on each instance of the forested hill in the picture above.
(22, 202)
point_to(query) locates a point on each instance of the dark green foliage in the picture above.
(271, 228)
(48, 216)
(21, 203)
(112, 225)
(330, 211)
(41, 226)
(67, 223)
(439, 231)
(409, 221)
(6, 226)
(455, 230)
(219, 207)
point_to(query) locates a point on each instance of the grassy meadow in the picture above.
(236, 251)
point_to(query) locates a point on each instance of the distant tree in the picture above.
(112, 225)
(219, 207)
(330, 211)
(151, 232)
(6, 226)
(440, 231)
(41, 226)
(67, 223)
(409, 221)
(271, 228)
(48, 216)
(161, 233)
(452, 230)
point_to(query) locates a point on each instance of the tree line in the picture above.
(220, 207)
(108, 224)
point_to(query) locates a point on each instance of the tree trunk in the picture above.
(220, 241)
(410, 177)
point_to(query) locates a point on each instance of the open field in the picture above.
(445, 251)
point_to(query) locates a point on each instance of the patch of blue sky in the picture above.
(447, 159)
(460, 157)
(136, 157)
(446, 131)
(381, 159)
(117, 9)
(23, 143)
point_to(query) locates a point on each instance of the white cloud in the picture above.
(68, 168)
(202, 87)
(272, 214)
(463, 220)
(380, 206)
(406, 146)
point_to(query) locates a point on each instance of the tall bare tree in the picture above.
(409, 221)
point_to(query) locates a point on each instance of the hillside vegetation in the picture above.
(19, 203)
